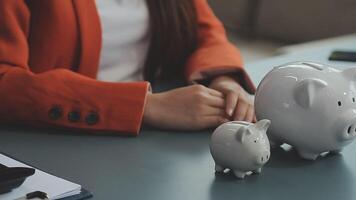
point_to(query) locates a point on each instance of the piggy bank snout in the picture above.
(263, 157)
(349, 126)
(350, 132)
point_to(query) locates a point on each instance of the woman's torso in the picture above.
(68, 34)
(125, 39)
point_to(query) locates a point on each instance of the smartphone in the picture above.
(343, 56)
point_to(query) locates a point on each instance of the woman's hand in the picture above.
(239, 104)
(189, 108)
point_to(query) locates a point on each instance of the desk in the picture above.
(313, 51)
(161, 165)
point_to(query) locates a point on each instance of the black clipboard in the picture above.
(84, 194)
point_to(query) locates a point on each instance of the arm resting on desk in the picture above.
(30, 98)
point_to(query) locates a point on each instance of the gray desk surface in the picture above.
(161, 165)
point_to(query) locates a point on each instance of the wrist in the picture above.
(147, 110)
(150, 108)
(223, 80)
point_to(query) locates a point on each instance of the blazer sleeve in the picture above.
(59, 97)
(215, 54)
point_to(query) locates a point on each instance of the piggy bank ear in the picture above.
(242, 133)
(263, 124)
(305, 91)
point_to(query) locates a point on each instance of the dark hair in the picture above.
(173, 26)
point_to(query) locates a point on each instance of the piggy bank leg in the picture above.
(239, 174)
(219, 168)
(336, 151)
(258, 171)
(275, 143)
(308, 155)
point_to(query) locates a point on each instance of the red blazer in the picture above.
(49, 53)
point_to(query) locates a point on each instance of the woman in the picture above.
(50, 53)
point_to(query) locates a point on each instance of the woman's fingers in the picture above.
(250, 114)
(254, 119)
(215, 93)
(231, 102)
(220, 107)
(215, 101)
(214, 111)
(213, 121)
(241, 110)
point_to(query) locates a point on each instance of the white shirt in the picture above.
(125, 39)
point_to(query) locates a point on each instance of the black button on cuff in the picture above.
(55, 113)
(92, 118)
(74, 116)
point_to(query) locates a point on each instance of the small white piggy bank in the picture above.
(241, 147)
(312, 107)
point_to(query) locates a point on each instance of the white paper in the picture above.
(55, 187)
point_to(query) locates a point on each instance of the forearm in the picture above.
(79, 102)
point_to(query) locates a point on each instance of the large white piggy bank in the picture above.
(240, 146)
(311, 106)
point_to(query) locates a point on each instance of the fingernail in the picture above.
(229, 112)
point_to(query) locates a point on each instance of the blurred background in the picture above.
(261, 27)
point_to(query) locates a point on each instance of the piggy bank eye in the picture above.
(353, 99)
(339, 103)
(255, 141)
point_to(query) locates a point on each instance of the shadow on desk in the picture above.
(287, 157)
(287, 176)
